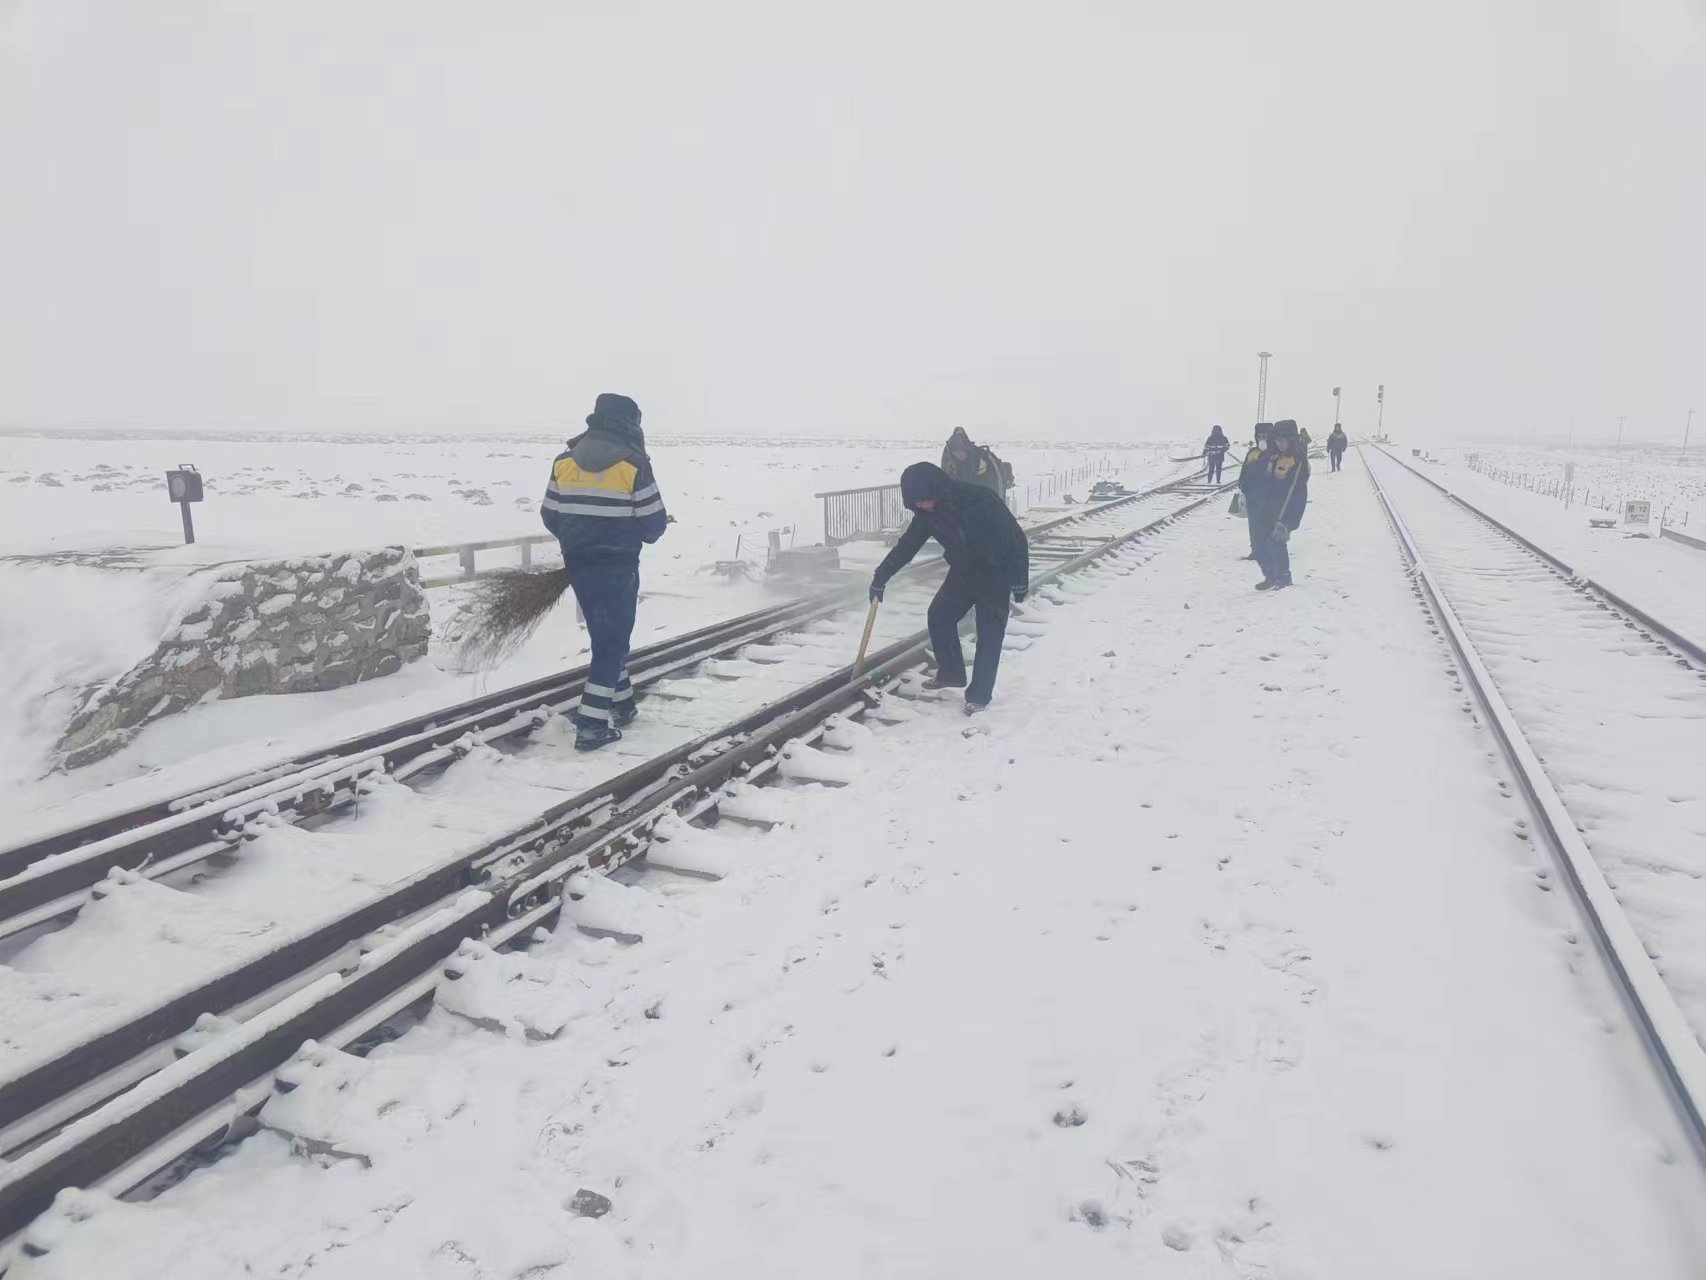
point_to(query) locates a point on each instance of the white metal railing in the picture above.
(466, 553)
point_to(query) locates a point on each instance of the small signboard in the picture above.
(183, 486)
(1639, 514)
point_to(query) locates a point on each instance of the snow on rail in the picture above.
(1672, 1043)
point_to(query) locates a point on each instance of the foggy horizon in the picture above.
(1078, 225)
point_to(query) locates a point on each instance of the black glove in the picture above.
(877, 589)
(1020, 592)
(1281, 533)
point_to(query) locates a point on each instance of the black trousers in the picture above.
(1214, 466)
(1272, 554)
(957, 597)
(1337, 455)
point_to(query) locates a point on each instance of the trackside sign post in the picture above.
(183, 487)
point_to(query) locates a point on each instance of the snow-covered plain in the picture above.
(1212, 951)
(1605, 478)
(92, 567)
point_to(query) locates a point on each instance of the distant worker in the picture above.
(1336, 445)
(962, 459)
(974, 464)
(1215, 452)
(1304, 442)
(1247, 476)
(1277, 497)
(988, 563)
(602, 504)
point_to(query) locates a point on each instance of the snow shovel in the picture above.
(865, 643)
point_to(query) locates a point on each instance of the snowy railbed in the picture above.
(1619, 723)
(1212, 950)
(142, 941)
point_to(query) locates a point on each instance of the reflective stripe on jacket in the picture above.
(604, 515)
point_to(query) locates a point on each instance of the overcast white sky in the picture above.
(1059, 219)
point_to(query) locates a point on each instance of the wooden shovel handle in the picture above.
(865, 643)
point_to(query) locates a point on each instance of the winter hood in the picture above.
(612, 435)
(924, 480)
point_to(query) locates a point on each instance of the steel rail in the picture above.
(1671, 635)
(46, 878)
(1671, 1046)
(478, 893)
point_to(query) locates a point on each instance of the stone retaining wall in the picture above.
(285, 626)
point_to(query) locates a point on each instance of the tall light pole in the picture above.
(1336, 391)
(1380, 403)
(1620, 422)
(1262, 386)
(1686, 428)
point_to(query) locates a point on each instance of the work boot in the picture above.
(1266, 584)
(598, 734)
(1281, 584)
(936, 682)
(1251, 556)
(972, 708)
(623, 713)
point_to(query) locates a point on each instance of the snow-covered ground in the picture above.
(89, 541)
(1603, 478)
(144, 943)
(1211, 951)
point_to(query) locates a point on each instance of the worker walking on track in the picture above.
(988, 563)
(1337, 442)
(1215, 452)
(1247, 476)
(602, 504)
(1277, 497)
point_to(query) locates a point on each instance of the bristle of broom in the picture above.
(503, 611)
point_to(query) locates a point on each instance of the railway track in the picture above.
(49, 876)
(112, 1104)
(1599, 710)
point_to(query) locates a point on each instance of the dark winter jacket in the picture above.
(1218, 444)
(974, 464)
(1279, 489)
(1247, 471)
(1337, 441)
(980, 538)
(602, 502)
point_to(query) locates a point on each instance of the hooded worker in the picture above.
(1215, 452)
(603, 504)
(1278, 495)
(1337, 443)
(1247, 475)
(988, 563)
(961, 458)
